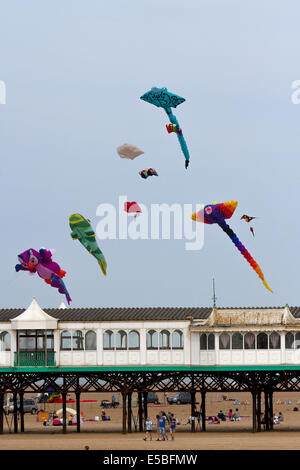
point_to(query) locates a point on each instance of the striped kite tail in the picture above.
(224, 226)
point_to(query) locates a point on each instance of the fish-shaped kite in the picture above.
(150, 172)
(162, 98)
(82, 231)
(216, 214)
(41, 262)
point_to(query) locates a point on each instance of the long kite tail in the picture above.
(224, 226)
(180, 137)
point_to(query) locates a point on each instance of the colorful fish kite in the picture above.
(132, 207)
(150, 172)
(82, 231)
(162, 98)
(216, 214)
(129, 151)
(41, 262)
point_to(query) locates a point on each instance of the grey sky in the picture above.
(74, 72)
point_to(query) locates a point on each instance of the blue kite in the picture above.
(162, 98)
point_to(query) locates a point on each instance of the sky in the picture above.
(74, 72)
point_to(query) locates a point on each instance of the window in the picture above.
(237, 341)
(152, 339)
(177, 339)
(274, 340)
(297, 342)
(35, 340)
(164, 340)
(4, 341)
(249, 341)
(121, 342)
(133, 340)
(90, 341)
(203, 342)
(262, 341)
(211, 341)
(77, 340)
(65, 341)
(224, 341)
(108, 340)
(289, 340)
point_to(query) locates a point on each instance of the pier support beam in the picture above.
(64, 414)
(254, 412)
(15, 401)
(193, 411)
(203, 411)
(259, 411)
(140, 404)
(145, 394)
(77, 411)
(1, 411)
(124, 413)
(267, 411)
(271, 410)
(129, 395)
(22, 410)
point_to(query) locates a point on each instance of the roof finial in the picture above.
(214, 294)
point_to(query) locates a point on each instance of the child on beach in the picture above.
(173, 423)
(148, 425)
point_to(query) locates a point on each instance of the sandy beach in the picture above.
(108, 435)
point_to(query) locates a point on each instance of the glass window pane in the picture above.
(211, 341)
(4, 341)
(121, 341)
(249, 341)
(77, 341)
(274, 340)
(152, 339)
(177, 339)
(134, 340)
(224, 341)
(90, 341)
(108, 340)
(66, 340)
(262, 341)
(203, 342)
(164, 339)
(237, 341)
(289, 340)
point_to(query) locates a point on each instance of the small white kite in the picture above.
(129, 151)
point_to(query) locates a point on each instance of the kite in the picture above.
(150, 172)
(162, 98)
(129, 151)
(248, 219)
(216, 214)
(132, 207)
(41, 262)
(82, 231)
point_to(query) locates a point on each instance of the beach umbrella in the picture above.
(69, 410)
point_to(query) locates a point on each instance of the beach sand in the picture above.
(108, 435)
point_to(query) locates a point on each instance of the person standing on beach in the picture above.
(162, 426)
(148, 426)
(173, 423)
